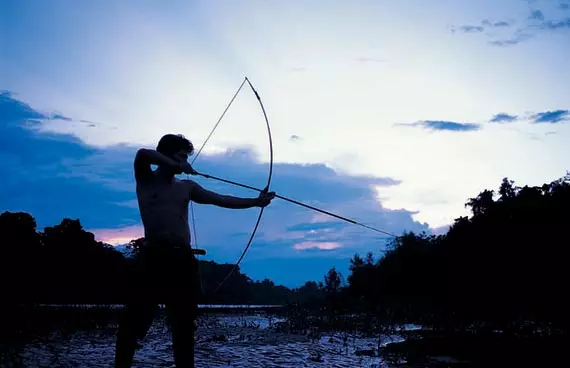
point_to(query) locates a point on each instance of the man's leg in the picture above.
(182, 306)
(181, 320)
(139, 311)
(134, 325)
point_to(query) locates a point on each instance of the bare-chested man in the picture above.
(165, 269)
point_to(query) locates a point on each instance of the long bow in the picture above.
(266, 189)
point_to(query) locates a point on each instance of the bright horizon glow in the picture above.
(118, 236)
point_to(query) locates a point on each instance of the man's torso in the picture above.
(164, 210)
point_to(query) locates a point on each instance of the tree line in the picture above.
(502, 268)
(65, 264)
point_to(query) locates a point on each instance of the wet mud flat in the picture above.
(222, 340)
(85, 337)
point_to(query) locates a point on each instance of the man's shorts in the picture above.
(164, 273)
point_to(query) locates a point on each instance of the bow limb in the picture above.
(269, 176)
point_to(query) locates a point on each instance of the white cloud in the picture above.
(317, 245)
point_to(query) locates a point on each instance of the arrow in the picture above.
(297, 203)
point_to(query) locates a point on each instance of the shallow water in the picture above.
(221, 341)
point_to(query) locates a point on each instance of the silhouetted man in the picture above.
(165, 269)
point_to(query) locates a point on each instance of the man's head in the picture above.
(175, 146)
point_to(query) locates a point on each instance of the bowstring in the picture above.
(192, 216)
(196, 245)
(218, 122)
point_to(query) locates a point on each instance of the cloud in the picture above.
(439, 125)
(536, 21)
(90, 124)
(60, 117)
(555, 25)
(313, 226)
(318, 245)
(518, 37)
(133, 203)
(486, 24)
(503, 118)
(500, 23)
(552, 117)
(536, 15)
(37, 164)
(12, 110)
(471, 29)
(53, 176)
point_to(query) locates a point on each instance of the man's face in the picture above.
(180, 156)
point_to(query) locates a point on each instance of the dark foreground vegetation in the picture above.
(491, 291)
(493, 288)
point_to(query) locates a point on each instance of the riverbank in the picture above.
(426, 348)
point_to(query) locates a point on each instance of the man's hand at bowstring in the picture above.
(186, 168)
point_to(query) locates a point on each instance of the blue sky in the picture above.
(390, 112)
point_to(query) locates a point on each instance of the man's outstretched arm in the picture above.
(203, 196)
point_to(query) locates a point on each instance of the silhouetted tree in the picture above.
(332, 281)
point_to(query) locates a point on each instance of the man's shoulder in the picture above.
(146, 179)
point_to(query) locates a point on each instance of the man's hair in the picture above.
(169, 144)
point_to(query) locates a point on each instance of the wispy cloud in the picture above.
(519, 36)
(471, 29)
(556, 24)
(503, 118)
(133, 203)
(90, 124)
(500, 23)
(536, 15)
(485, 24)
(552, 117)
(313, 226)
(61, 117)
(294, 138)
(440, 125)
(317, 245)
(535, 21)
